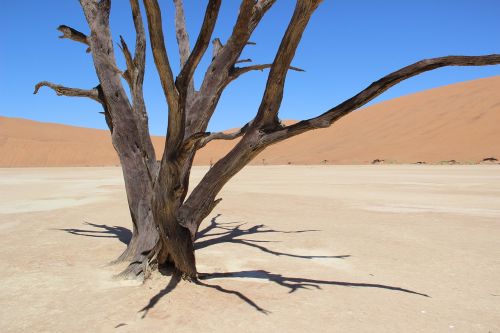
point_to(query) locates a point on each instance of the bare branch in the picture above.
(243, 60)
(201, 45)
(181, 32)
(183, 43)
(250, 14)
(73, 34)
(238, 71)
(260, 8)
(73, 92)
(140, 41)
(222, 136)
(377, 88)
(176, 114)
(129, 73)
(200, 139)
(265, 3)
(135, 76)
(203, 195)
(153, 14)
(126, 53)
(267, 116)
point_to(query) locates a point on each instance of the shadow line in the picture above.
(174, 281)
(234, 292)
(123, 234)
(230, 232)
(295, 283)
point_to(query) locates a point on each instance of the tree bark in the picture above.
(130, 138)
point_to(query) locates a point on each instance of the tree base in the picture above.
(143, 261)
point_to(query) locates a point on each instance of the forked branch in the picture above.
(273, 94)
(128, 75)
(224, 59)
(207, 28)
(66, 91)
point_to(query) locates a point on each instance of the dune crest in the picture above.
(457, 122)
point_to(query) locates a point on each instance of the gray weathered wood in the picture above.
(66, 91)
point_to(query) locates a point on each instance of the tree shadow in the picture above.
(292, 283)
(240, 295)
(295, 283)
(123, 234)
(174, 281)
(230, 232)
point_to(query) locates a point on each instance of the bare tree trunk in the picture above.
(129, 134)
(144, 236)
(176, 244)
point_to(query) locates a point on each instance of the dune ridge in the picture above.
(456, 122)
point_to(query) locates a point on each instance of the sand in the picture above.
(457, 122)
(318, 248)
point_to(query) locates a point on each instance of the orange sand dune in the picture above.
(459, 122)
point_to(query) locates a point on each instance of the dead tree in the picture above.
(166, 220)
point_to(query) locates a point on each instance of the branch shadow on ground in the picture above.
(123, 234)
(294, 283)
(233, 232)
(230, 232)
(174, 281)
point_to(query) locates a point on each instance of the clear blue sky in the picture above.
(348, 44)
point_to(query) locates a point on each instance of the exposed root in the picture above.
(188, 278)
(142, 267)
(127, 255)
(140, 252)
(143, 259)
(134, 271)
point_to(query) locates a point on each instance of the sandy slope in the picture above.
(385, 236)
(460, 122)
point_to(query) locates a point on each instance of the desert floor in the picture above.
(290, 249)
